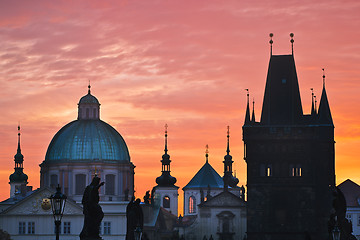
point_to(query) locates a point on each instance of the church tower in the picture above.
(166, 190)
(18, 180)
(290, 160)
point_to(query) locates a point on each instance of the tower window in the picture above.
(295, 171)
(268, 170)
(107, 228)
(80, 182)
(110, 184)
(283, 81)
(67, 227)
(22, 227)
(31, 227)
(166, 202)
(192, 204)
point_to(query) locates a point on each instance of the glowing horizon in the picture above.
(182, 63)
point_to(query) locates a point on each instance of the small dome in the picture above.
(87, 141)
(88, 98)
(18, 177)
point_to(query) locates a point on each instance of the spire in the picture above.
(253, 112)
(282, 102)
(18, 176)
(324, 108)
(271, 42)
(166, 150)
(165, 179)
(292, 43)
(315, 104)
(312, 102)
(89, 86)
(229, 179)
(247, 114)
(228, 140)
(207, 153)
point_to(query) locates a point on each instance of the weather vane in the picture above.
(271, 42)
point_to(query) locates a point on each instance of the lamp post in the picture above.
(58, 201)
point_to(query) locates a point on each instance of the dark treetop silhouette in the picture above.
(134, 217)
(93, 213)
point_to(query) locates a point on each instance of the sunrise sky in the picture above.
(184, 63)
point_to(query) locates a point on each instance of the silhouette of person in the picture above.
(134, 217)
(93, 213)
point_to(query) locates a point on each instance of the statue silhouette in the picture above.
(93, 213)
(134, 217)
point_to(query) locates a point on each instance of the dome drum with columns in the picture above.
(85, 147)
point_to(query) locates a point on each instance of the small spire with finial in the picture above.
(247, 94)
(228, 140)
(166, 149)
(207, 153)
(315, 103)
(312, 101)
(89, 86)
(19, 137)
(253, 111)
(271, 42)
(323, 77)
(292, 43)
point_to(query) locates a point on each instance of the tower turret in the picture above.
(229, 179)
(18, 179)
(324, 108)
(89, 107)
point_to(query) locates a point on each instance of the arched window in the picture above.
(87, 113)
(53, 181)
(110, 184)
(166, 202)
(192, 204)
(80, 183)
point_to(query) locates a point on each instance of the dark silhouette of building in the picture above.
(290, 160)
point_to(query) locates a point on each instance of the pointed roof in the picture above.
(206, 176)
(351, 193)
(282, 102)
(253, 112)
(324, 109)
(247, 114)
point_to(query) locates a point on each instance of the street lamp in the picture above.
(58, 201)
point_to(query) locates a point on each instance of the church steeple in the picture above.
(18, 178)
(166, 179)
(229, 179)
(324, 113)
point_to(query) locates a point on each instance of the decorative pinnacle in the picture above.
(89, 86)
(228, 139)
(315, 102)
(247, 94)
(292, 43)
(207, 152)
(271, 42)
(323, 77)
(166, 150)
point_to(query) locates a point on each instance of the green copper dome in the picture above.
(87, 141)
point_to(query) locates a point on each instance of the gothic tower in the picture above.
(290, 160)
(18, 180)
(166, 191)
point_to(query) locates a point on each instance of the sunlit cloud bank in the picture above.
(182, 63)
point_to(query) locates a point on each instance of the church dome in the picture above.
(87, 139)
